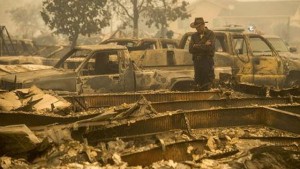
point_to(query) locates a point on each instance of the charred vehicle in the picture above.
(157, 43)
(9, 69)
(128, 42)
(253, 59)
(143, 44)
(289, 56)
(161, 54)
(153, 47)
(98, 68)
(280, 45)
(48, 55)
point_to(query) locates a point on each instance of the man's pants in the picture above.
(204, 72)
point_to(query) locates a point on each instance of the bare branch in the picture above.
(125, 9)
(141, 5)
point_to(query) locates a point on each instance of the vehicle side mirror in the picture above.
(292, 49)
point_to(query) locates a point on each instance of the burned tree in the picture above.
(161, 12)
(75, 17)
(153, 11)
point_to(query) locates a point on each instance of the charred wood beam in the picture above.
(185, 101)
(289, 108)
(16, 139)
(257, 116)
(283, 120)
(224, 103)
(106, 100)
(265, 91)
(30, 119)
(178, 151)
(175, 152)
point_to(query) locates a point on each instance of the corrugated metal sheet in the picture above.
(263, 116)
(106, 100)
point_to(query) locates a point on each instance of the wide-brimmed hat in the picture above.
(197, 22)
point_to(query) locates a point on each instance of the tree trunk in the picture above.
(74, 41)
(135, 19)
(163, 31)
(164, 23)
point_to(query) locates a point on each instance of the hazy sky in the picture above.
(6, 5)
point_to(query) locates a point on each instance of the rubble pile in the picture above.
(142, 136)
(202, 151)
(32, 100)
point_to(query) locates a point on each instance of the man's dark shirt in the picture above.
(203, 50)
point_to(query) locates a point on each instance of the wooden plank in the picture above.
(17, 139)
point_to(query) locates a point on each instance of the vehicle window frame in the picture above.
(269, 53)
(243, 50)
(279, 41)
(107, 66)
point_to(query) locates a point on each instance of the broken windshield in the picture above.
(278, 44)
(259, 47)
(75, 58)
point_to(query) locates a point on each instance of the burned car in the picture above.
(128, 42)
(282, 47)
(45, 56)
(10, 69)
(154, 47)
(143, 44)
(137, 47)
(157, 43)
(290, 58)
(98, 68)
(253, 59)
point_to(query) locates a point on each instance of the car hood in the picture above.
(29, 76)
(10, 69)
(292, 60)
(289, 55)
(8, 60)
(294, 65)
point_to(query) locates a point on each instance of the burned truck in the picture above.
(253, 60)
(98, 69)
(48, 55)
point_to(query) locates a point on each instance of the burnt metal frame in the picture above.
(4, 31)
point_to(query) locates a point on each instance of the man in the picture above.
(202, 47)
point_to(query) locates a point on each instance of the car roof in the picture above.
(223, 31)
(101, 47)
(271, 36)
(154, 39)
(230, 28)
(120, 40)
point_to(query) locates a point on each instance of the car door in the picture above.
(100, 73)
(267, 66)
(127, 71)
(242, 65)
